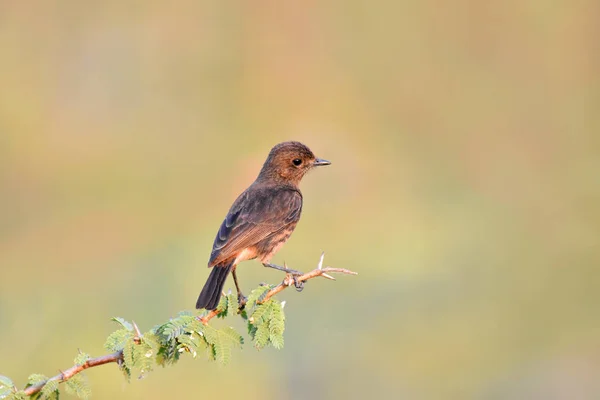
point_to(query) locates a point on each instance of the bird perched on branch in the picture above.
(260, 220)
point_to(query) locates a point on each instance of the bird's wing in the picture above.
(255, 215)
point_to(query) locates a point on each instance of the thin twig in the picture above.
(208, 317)
(289, 279)
(74, 370)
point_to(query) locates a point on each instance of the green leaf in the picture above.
(222, 307)
(188, 343)
(276, 325)
(19, 395)
(78, 386)
(7, 388)
(233, 336)
(81, 358)
(232, 304)
(195, 326)
(144, 358)
(167, 353)
(175, 326)
(222, 348)
(210, 334)
(256, 295)
(116, 340)
(261, 313)
(251, 330)
(5, 393)
(34, 379)
(128, 354)
(5, 381)
(126, 372)
(276, 341)
(261, 336)
(153, 343)
(123, 323)
(50, 390)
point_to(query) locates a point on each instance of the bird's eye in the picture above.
(297, 162)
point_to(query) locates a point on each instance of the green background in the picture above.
(464, 189)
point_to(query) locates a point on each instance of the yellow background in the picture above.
(464, 189)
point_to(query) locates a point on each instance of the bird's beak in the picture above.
(320, 161)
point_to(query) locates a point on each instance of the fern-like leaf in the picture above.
(81, 358)
(261, 313)
(276, 325)
(18, 395)
(233, 336)
(222, 348)
(210, 334)
(195, 326)
(116, 340)
(34, 379)
(261, 336)
(78, 386)
(190, 343)
(50, 390)
(175, 326)
(128, 354)
(5, 381)
(232, 304)
(256, 295)
(6, 386)
(125, 324)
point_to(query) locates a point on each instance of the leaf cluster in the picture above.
(266, 319)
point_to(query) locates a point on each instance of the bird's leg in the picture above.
(284, 269)
(297, 284)
(241, 298)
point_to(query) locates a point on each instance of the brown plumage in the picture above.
(261, 219)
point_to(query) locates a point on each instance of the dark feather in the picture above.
(211, 292)
(257, 214)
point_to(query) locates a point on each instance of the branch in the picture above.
(64, 376)
(74, 370)
(319, 271)
(289, 280)
(177, 333)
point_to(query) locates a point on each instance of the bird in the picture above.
(261, 219)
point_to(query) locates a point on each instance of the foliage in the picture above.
(164, 344)
(266, 320)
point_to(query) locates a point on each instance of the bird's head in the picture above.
(290, 161)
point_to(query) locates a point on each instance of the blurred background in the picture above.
(465, 190)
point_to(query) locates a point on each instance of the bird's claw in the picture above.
(299, 285)
(242, 300)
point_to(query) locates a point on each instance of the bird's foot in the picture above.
(242, 300)
(299, 285)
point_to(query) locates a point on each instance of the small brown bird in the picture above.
(260, 220)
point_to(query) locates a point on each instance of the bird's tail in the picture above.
(211, 292)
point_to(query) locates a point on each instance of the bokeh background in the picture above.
(465, 189)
